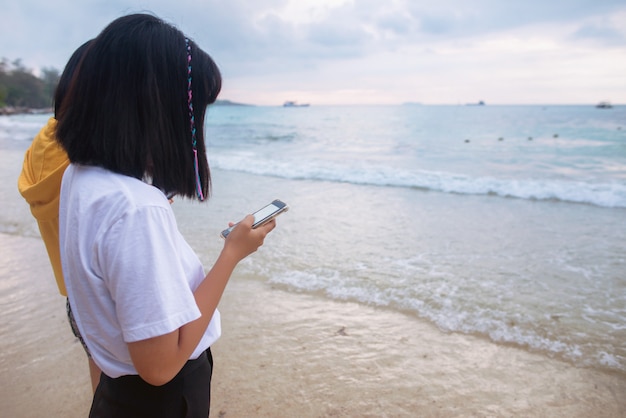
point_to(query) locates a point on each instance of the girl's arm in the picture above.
(159, 359)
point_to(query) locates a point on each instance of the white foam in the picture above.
(445, 309)
(612, 195)
(21, 127)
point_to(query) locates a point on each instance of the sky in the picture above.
(344, 52)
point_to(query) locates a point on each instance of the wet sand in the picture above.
(295, 355)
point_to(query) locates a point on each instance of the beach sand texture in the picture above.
(294, 355)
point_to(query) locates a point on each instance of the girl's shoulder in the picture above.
(98, 187)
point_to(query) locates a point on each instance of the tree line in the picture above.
(21, 89)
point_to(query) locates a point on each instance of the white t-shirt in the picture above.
(129, 273)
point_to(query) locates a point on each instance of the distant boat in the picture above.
(291, 103)
(604, 105)
(480, 103)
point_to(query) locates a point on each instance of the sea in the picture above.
(503, 222)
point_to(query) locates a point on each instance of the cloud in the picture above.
(608, 31)
(462, 18)
(335, 50)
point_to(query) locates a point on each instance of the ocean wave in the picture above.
(498, 326)
(603, 194)
(21, 127)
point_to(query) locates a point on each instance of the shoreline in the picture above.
(291, 354)
(327, 358)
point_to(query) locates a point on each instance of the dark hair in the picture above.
(127, 108)
(67, 76)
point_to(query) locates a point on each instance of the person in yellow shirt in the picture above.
(39, 183)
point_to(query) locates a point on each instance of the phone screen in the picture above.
(262, 214)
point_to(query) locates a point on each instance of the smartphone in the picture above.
(263, 215)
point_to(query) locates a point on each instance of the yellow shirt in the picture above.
(39, 183)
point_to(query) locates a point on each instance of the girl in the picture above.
(132, 125)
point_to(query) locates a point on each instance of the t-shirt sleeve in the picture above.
(145, 273)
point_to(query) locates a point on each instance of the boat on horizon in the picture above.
(291, 103)
(604, 105)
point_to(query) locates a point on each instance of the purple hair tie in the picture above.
(192, 122)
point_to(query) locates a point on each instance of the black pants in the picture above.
(188, 395)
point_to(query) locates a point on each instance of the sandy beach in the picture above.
(296, 355)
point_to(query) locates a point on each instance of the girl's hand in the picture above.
(243, 240)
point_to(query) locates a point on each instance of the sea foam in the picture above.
(610, 195)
